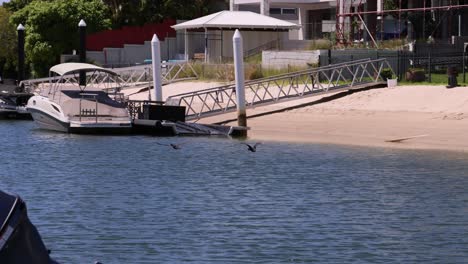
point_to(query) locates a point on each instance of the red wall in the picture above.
(129, 35)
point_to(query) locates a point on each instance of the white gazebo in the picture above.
(258, 31)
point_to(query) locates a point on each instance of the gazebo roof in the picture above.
(236, 20)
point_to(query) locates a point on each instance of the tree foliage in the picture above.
(8, 44)
(52, 28)
(52, 25)
(139, 12)
(15, 5)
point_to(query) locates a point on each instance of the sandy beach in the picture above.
(426, 117)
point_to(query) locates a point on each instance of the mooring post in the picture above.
(398, 65)
(430, 66)
(82, 26)
(239, 74)
(465, 48)
(156, 61)
(20, 30)
(464, 62)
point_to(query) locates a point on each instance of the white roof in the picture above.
(240, 2)
(68, 67)
(236, 20)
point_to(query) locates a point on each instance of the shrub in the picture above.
(415, 75)
(254, 72)
(320, 44)
(387, 73)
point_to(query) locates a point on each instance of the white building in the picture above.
(316, 17)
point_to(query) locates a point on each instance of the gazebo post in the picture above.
(222, 36)
(186, 50)
(206, 45)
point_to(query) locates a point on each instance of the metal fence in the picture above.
(430, 62)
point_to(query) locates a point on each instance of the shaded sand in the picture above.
(170, 89)
(437, 116)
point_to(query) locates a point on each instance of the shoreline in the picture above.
(431, 117)
(419, 131)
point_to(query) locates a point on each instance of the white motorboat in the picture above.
(93, 107)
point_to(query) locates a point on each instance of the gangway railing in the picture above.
(274, 44)
(170, 72)
(331, 78)
(140, 75)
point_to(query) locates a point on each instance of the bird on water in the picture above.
(252, 148)
(172, 145)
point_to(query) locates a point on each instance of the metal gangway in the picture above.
(332, 78)
(129, 77)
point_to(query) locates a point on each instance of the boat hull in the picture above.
(10, 110)
(14, 115)
(48, 116)
(48, 122)
(7, 113)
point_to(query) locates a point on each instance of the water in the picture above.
(129, 200)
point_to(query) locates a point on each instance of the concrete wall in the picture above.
(112, 56)
(219, 47)
(281, 59)
(134, 54)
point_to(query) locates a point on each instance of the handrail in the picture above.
(266, 46)
(94, 96)
(280, 76)
(135, 106)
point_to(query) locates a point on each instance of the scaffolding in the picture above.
(368, 17)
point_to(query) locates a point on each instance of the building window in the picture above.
(283, 11)
(288, 11)
(56, 108)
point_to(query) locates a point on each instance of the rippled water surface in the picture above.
(130, 200)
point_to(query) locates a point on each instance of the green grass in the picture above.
(268, 72)
(437, 79)
(225, 73)
(319, 44)
(254, 59)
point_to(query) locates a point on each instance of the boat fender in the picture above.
(158, 125)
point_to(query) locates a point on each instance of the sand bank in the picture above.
(436, 117)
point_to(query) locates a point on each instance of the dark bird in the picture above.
(172, 145)
(252, 148)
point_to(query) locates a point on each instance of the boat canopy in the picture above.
(70, 67)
